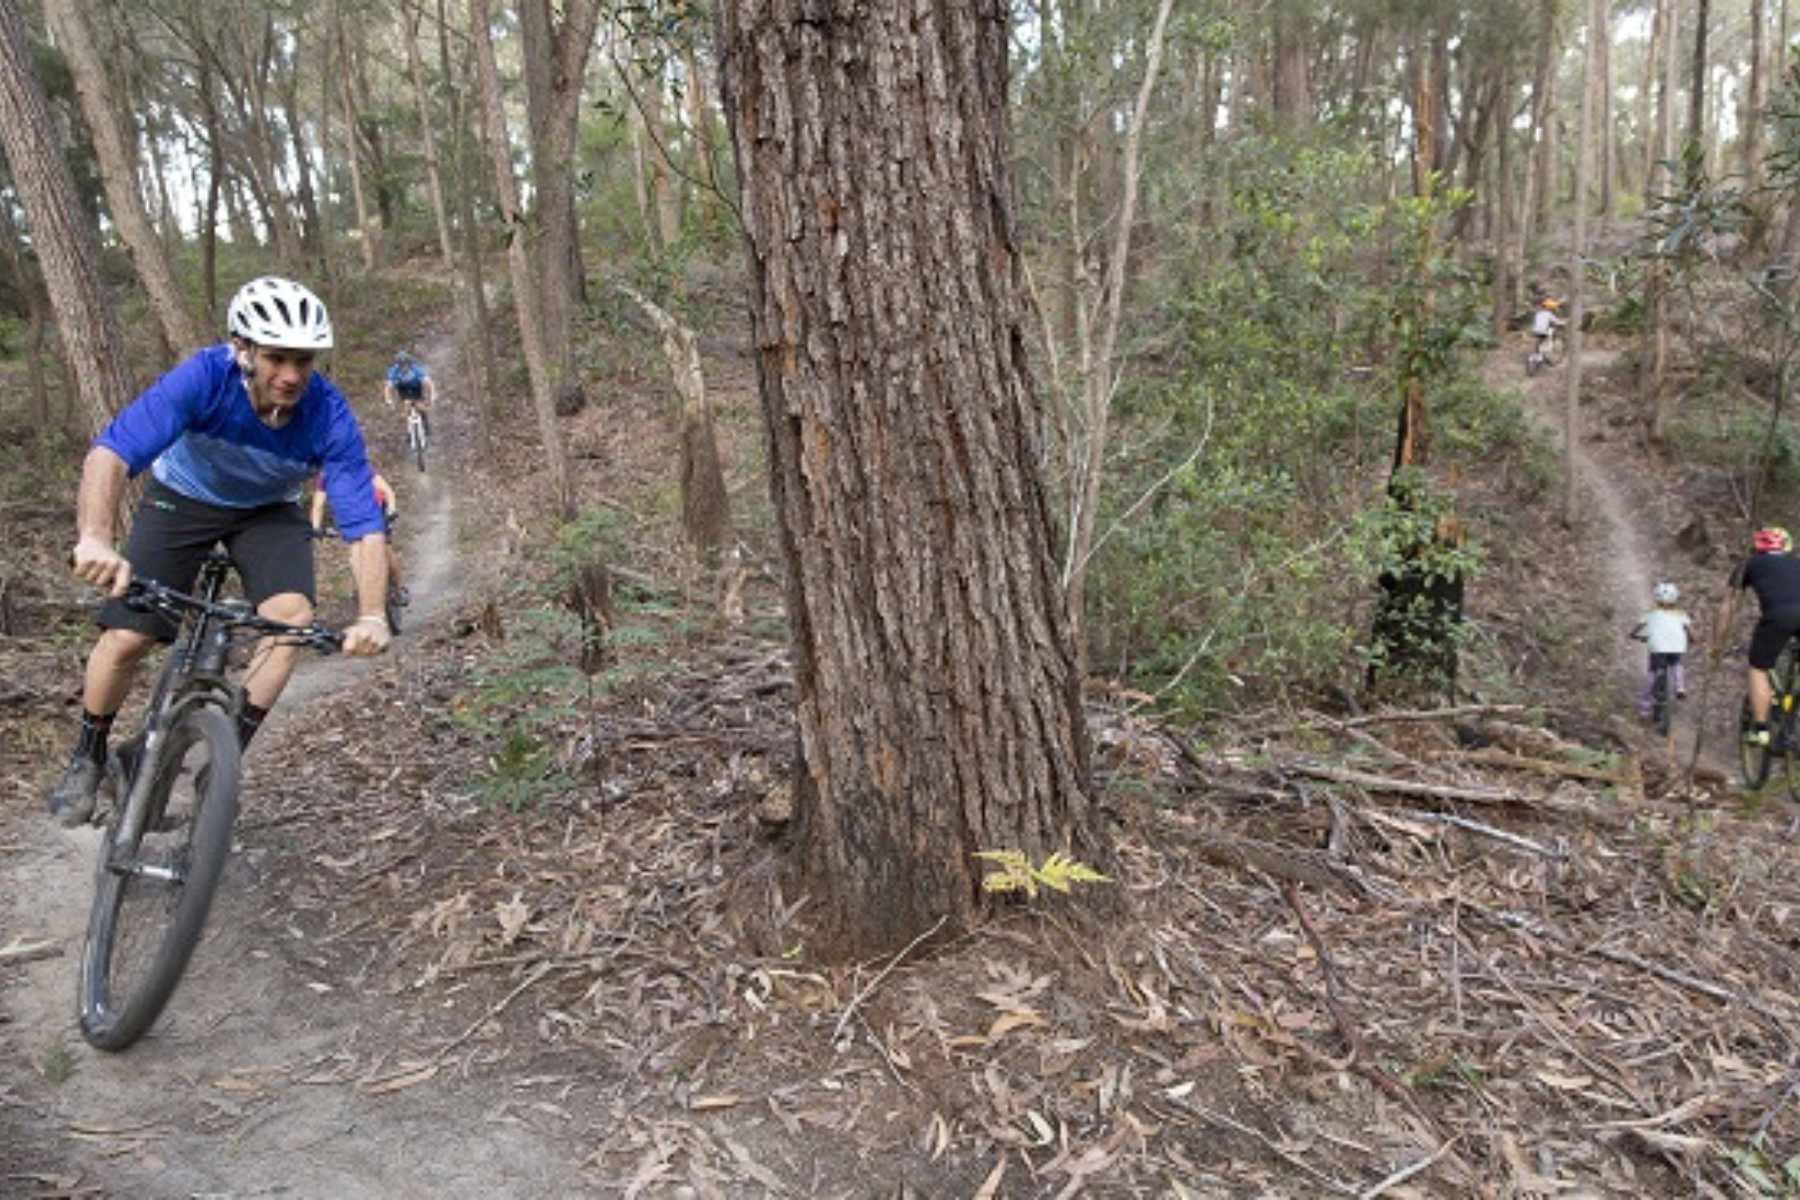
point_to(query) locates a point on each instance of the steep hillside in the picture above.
(1497, 949)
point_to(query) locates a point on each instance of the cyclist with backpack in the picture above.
(407, 380)
(1773, 573)
(230, 437)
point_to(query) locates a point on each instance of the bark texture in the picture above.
(939, 699)
(65, 245)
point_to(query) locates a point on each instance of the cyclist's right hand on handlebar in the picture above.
(100, 565)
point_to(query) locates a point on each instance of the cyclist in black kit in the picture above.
(1773, 573)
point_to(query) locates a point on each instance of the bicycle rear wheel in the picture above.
(1753, 759)
(156, 883)
(1662, 701)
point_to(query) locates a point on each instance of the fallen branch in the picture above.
(1494, 756)
(1464, 823)
(856, 1000)
(20, 951)
(1406, 787)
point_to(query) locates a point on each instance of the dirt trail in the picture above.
(1624, 522)
(265, 1076)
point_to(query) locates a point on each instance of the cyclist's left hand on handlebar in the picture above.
(100, 565)
(367, 636)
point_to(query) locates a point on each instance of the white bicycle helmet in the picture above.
(1665, 593)
(279, 312)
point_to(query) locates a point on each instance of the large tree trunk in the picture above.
(65, 246)
(939, 699)
(118, 174)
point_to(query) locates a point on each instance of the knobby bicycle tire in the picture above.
(1662, 701)
(393, 609)
(155, 885)
(1753, 760)
(415, 433)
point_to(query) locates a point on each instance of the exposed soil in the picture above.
(1484, 951)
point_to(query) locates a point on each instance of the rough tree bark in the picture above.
(65, 246)
(118, 175)
(939, 697)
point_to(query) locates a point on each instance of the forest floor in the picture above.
(1502, 949)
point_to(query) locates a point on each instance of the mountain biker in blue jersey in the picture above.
(408, 381)
(1773, 573)
(229, 437)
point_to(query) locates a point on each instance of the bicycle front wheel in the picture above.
(159, 866)
(416, 431)
(395, 608)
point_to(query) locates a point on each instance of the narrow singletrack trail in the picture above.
(1630, 532)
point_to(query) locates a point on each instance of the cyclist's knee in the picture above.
(124, 646)
(290, 607)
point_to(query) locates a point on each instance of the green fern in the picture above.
(1016, 874)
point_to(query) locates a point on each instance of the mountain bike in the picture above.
(1759, 761)
(173, 796)
(1547, 353)
(416, 436)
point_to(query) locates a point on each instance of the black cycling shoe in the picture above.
(72, 799)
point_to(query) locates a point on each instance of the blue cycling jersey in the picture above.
(196, 431)
(408, 381)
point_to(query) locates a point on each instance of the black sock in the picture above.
(250, 720)
(90, 741)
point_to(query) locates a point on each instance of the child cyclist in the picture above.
(1665, 628)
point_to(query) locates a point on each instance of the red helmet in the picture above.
(1773, 537)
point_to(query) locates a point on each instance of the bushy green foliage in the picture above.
(1247, 518)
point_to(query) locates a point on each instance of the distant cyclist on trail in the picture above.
(229, 437)
(408, 381)
(1665, 628)
(1545, 323)
(1773, 573)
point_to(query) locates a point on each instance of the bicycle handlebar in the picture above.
(147, 595)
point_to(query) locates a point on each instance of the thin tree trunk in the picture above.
(478, 346)
(1696, 120)
(1099, 370)
(705, 503)
(118, 175)
(1584, 174)
(526, 294)
(368, 233)
(556, 57)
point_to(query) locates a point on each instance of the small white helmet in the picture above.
(1665, 593)
(271, 311)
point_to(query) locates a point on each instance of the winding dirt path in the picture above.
(1633, 532)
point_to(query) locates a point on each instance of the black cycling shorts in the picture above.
(1772, 632)
(271, 547)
